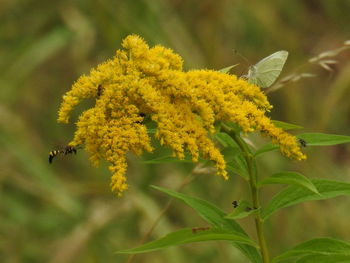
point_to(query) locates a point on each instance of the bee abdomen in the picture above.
(52, 154)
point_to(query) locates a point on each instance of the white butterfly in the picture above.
(267, 70)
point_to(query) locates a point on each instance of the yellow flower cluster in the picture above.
(141, 81)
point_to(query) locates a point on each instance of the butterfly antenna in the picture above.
(246, 61)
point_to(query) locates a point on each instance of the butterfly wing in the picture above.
(266, 71)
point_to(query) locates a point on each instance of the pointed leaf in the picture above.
(289, 178)
(311, 139)
(215, 217)
(317, 246)
(324, 259)
(226, 140)
(206, 210)
(151, 131)
(268, 147)
(234, 126)
(286, 126)
(322, 139)
(238, 166)
(235, 161)
(230, 154)
(185, 236)
(227, 69)
(295, 194)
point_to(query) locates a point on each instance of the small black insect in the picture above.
(302, 142)
(99, 90)
(247, 209)
(65, 151)
(235, 204)
(143, 116)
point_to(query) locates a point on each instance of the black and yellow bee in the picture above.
(65, 151)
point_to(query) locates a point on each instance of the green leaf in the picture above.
(324, 259)
(230, 154)
(233, 155)
(317, 246)
(322, 139)
(226, 140)
(227, 69)
(295, 194)
(216, 218)
(289, 178)
(311, 139)
(285, 125)
(188, 235)
(234, 126)
(243, 209)
(206, 210)
(238, 166)
(235, 162)
(151, 131)
(237, 170)
(268, 147)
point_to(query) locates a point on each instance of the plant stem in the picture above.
(254, 191)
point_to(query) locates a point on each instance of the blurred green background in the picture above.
(65, 212)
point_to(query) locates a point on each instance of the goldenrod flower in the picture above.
(140, 81)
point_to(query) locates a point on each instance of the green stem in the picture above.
(254, 190)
